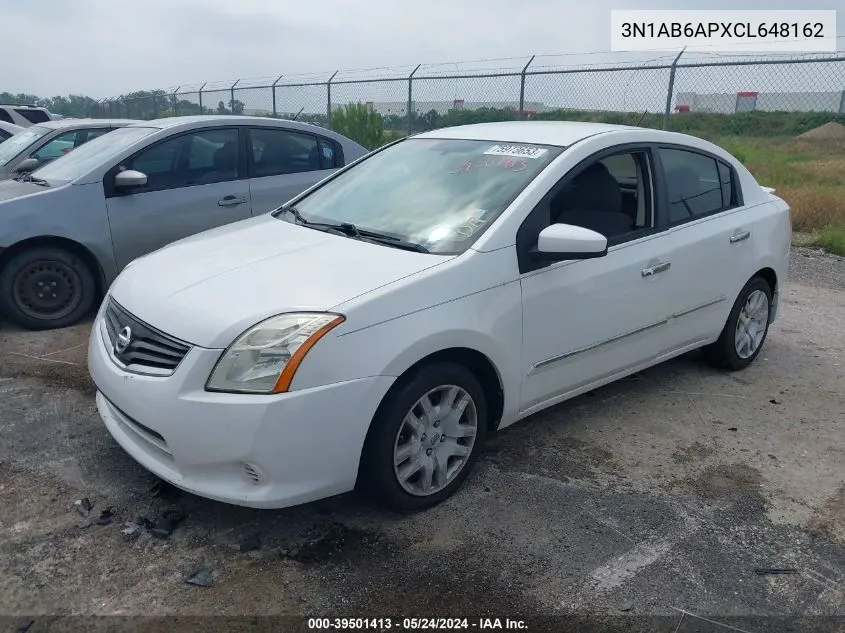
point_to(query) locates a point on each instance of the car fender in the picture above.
(487, 321)
(72, 212)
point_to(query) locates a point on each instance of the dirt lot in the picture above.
(655, 496)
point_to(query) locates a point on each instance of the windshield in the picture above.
(92, 154)
(439, 193)
(14, 145)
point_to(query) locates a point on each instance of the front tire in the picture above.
(46, 287)
(425, 438)
(745, 331)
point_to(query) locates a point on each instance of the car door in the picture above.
(283, 163)
(195, 181)
(592, 319)
(712, 242)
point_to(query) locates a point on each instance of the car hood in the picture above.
(11, 189)
(209, 288)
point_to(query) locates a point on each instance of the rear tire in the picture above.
(46, 287)
(745, 331)
(425, 438)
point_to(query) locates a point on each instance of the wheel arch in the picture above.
(478, 363)
(69, 245)
(481, 367)
(769, 276)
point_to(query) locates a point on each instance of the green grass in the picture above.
(831, 239)
(808, 174)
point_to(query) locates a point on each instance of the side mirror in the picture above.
(129, 179)
(27, 165)
(559, 242)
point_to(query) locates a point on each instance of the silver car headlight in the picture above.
(265, 357)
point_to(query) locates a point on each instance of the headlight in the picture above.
(265, 357)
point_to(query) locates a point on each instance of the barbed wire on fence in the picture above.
(416, 98)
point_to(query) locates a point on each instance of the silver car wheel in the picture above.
(435, 440)
(751, 324)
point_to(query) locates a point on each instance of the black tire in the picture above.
(46, 287)
(378, 474)
(723, 353)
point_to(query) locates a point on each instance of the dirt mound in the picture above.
(831, 130)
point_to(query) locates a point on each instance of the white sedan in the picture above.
(375, 329)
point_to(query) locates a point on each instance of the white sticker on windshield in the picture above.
(517, 151)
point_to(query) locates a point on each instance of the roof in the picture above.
(60, 124)
(11, 127)
(561, 133)
(206, 119)
(210, 120)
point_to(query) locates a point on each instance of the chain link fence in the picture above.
(672, 92)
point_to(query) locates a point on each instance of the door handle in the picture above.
(657, 268)
(738, 237)
(230, 201)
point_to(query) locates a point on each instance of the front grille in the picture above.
(148, 348)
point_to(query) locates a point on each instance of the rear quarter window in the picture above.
(33, 116)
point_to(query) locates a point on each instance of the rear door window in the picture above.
(693, 183)
(277, 152)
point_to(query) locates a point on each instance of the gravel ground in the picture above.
(652, 497)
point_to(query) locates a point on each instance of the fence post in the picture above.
(202, 110)
(410, 99)
(842, 103)
(522, 88)
(175, 102)
(274, 94)
(671, 89)
(329, 100)
(232, 93)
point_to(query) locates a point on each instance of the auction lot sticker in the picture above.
(516, 151)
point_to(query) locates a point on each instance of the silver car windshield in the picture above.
(16, 144)
(441, 194)
(92, 154)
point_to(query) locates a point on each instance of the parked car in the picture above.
(40, 144)
(67, 229)
(377, 327)
(8, 129)
(24, 115)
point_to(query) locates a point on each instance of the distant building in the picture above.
(747, 101)
(399, 108)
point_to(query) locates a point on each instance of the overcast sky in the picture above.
(105, 48)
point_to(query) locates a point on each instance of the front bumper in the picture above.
(252, 450)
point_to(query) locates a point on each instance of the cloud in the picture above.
(107, 48)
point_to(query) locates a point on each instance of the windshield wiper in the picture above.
(387, 240)
(28, 177)
(351, 230)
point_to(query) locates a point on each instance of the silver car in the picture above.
(37, 145)
(25, 115)
(8, 129)
(68, 229)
